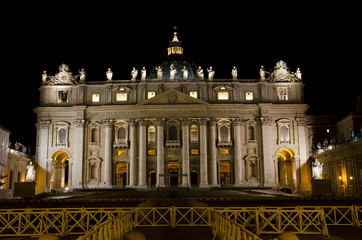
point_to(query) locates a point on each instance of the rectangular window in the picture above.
(194, 151)
(223, 96)
(152, 152)
(150, 95)
(224, 151)
(249, 96)
(95, 97)
(121, 153)
(282, 93)
(193, 94)
(121, 97)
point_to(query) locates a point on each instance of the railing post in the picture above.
(257, 230)
(64, 232)
(172, 217)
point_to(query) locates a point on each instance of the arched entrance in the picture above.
(60, 171)
(286, 170)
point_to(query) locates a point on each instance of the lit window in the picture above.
(150, 95)
(194, 151)
(95, 97)
(152, 152)
(193, 94)
(224, 151)
(223, 95)
(121, 97)
(249, 96)
(121, 153)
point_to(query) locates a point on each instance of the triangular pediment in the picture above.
(170, 97)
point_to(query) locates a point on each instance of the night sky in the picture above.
(323, 41)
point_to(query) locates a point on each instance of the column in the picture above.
(239, 163)
(76, 167)
(107, 152)
(268, 164)
(203, 154)
(212, 150)
(160, 180)
(185, 153)
(142, 174)
(43, 171)
(302, 165)
(132, 154)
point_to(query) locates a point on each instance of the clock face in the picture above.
(63, 77)
(281, 74)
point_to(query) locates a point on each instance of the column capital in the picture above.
(185, 121)
(132, 122)
(44, 123)
(203, 121)
(267, 120)
(78, 123)
(237, 121)
(142, 122)
(212, 121)
(107, 123)
(160, 121)
(301, 121)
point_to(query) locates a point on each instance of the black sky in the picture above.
(323, 41)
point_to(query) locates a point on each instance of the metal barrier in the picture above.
(277, 220)
(115, 228)
(261, 220)
(226, 229)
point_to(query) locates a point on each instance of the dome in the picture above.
(175, 56)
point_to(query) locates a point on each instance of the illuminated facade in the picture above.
(173, 128)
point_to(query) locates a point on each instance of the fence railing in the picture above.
(260, 220)
(115, 228)
(226, 229)
(277, 220)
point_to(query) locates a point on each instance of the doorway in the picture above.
(285, 170)
(194, 178)
(121, 174)
(173, 174)
(59, 179)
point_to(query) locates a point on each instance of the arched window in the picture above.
(194, 134)
(224, 133)
(250, 133)
(122, 134)
(151, 134)
(172, 133)
(284, 134)
(62, 134)
(95, 135)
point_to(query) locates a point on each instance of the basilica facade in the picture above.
(177, 126)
